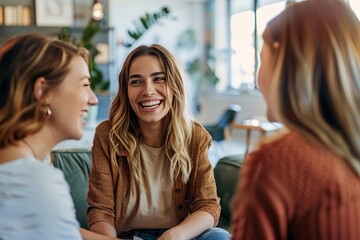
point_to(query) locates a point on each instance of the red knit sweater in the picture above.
(293, 189)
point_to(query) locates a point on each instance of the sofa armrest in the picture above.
(227, 175)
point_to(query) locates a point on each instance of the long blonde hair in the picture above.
(316, 83)
(24, 59)
(125, 134)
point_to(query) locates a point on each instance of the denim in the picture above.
(210, 234)
(214, 234)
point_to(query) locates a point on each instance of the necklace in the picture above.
(31, 149)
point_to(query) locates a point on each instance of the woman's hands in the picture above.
(191, 227)
(172, 234)
(88, 235)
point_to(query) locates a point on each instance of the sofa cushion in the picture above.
(76, 166)
(227, 175)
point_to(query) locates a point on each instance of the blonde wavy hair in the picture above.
(125, 134)
(24, 59)
(316, 82)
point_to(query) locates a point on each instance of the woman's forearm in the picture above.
(89, 235)
(104, 228)
(197, 223)
(191, 227)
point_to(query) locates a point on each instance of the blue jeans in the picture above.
(210, 234)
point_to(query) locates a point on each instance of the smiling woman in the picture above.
(44, 97)
(151, 175)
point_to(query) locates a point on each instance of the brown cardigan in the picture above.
(108, 195)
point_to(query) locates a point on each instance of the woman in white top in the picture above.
(44, 98)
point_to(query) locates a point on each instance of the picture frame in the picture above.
(54, 12)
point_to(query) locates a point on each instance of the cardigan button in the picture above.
(177, 190)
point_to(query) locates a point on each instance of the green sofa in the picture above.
(227, 174)
(76, 166)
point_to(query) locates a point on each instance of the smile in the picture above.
(150, 104)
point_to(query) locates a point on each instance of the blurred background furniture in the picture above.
(220, 131)
(76, 165)
(262, 125)
(227, 174)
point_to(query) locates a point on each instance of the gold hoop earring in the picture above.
(46, 110)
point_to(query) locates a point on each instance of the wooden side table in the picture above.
(254, 124)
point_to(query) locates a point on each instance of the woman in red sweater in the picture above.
(305, 183)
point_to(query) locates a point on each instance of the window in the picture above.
(242, 49)
(244, 53)
(237, 44)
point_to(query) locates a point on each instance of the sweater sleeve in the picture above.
(101, 189)
(261, 205)
(205, 196)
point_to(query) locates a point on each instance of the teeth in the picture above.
(150, 103)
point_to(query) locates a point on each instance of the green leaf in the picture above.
(132, 34)
(156, 16)
(105, 85)
(165, 10)
(90, 31)
(144, 22)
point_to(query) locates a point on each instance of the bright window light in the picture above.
(242, 43)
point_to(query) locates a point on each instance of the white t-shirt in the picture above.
(154, 207)
(35, 202)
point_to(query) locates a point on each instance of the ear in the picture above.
(40, 89)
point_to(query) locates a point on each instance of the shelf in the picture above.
(81, 11)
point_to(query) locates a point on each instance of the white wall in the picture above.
(188, 14)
